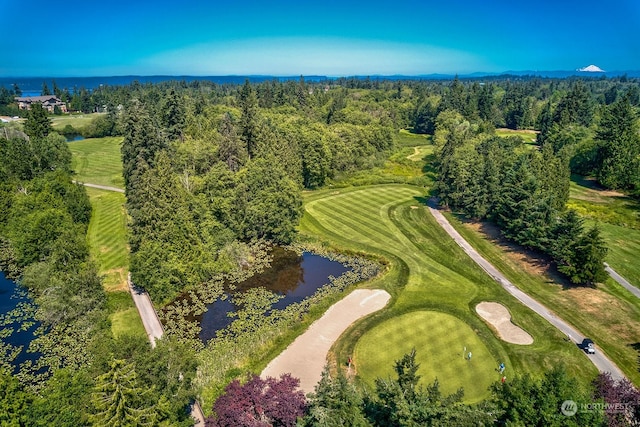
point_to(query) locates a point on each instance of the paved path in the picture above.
(147, 313)
(154, 331)
(306, 357)
(621, 280)
(100, 187)
(602, 362)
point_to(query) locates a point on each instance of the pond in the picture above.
(74, 137)
(11, 295)
(291, 275)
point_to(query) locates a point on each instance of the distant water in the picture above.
(32, 86)
(74, 137)
(10, 296)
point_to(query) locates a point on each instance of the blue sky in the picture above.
(280, 37)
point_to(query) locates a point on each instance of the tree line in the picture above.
(81, 374)
(402, 401)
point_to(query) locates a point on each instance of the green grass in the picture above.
(608, 314)
(527, 135)
(409, 164)
(78, 121)
(107, 237)
(440, 341)
(618, 217)
(124, 316)
(624, 251)
(127, 322)
(405, 138)
(427, 271)
(98, 161)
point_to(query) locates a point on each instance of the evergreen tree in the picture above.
(140, 145)
(118, 399)
(336, 402)
(174, 116)
(45, 89)
(248, 121)
(38, 125)
(588, 258)
(231, 150)
(618, 138)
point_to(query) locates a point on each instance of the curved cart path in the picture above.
(622, 281)
(306, 357)
(602, 362)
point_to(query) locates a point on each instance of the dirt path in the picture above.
(306, 357)
(602, 362)
(416, 156)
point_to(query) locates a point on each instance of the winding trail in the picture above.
(622, 281)
(306, 357)
(602, 362)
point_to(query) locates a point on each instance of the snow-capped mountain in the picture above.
(591, 69)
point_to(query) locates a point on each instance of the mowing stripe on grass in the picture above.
(442, 343)
(427, 271)
(107, 236)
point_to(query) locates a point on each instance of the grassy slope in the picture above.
(78, 121)
(98, 161)
(607, 314)
(108, 237)
(124, 316)
(427, 271)
(619, 219)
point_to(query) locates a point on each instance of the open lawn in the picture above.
(426, 271)
(608, 314)
(98, 161)
(438, 339)
(78, 121)
(107, 237)
(618, 217)
(404, 138)
(124, 316)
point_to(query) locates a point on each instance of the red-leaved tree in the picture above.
(258, 403)
(622, 399)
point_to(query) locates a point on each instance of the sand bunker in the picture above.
(306, 356)
(499, 317)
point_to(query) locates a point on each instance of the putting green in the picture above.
(439, 340)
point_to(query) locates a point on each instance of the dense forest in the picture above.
(211, 171)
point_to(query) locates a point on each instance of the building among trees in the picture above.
(49, 102)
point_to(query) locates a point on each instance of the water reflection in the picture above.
(291, 275)
(11, 296)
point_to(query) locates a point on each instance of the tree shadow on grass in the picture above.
(429, 169)
(636, 347)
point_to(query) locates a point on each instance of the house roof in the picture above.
(38, 98)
